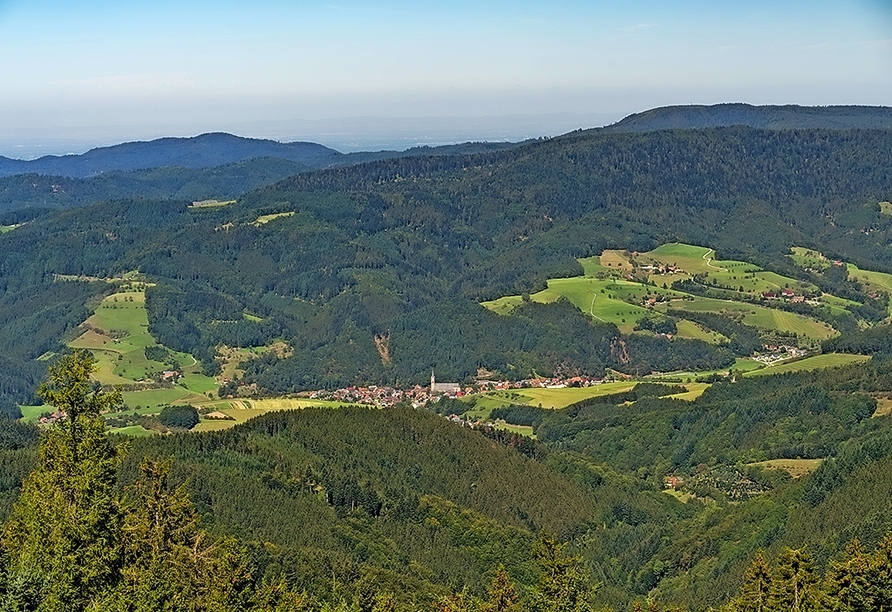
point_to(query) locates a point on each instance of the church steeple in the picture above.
(433, 382)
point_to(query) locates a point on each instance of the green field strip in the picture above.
(30, 414)
(155, 398)
(690, 258)
(213, 425)
(199, 383)
(809, 258)
(503, 305)
(746, 364)
(794, 467)
(591, 266)
(694, 390)
(696, 331)
(549, 398)
(759, 316)
(879, 280)
(523, 430)
(264, 219)
(829, 360)
(135, 431)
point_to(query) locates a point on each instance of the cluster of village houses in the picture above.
(778, 353)
(421, 395)
(51, 418)
(788, 294)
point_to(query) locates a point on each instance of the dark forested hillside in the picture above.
(344, 505)
(224, 182)
(372, 270)
(185, 182)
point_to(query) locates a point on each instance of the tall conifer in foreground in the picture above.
(64, 539)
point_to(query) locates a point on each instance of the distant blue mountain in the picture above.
(205, 151)
(764, 117)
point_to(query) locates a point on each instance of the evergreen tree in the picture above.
(756, 589)
(848, 581)
(502, 595)
(862, 582)
(73, 545)
(795, 585)
(562, 585)
(64, 539)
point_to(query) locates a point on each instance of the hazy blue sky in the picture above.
(97, 71)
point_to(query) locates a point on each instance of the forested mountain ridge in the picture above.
(204, 151)
(180, 172)
(223, 166)
(786, 117)
(225, 182)
(402, 249)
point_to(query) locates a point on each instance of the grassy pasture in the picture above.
(794, 467)
(747, 364)
(694, 390)
(136, 431)
(600, 298)
(264, 219)
(523, 430)
(30, 414)
(199, 383)
(759, 316)
(726, 273)
(837, 305)
(155, 398)
(886, 208)
(6, 228)
(563, 397)
(604, 299)
(118, 337)
(213, 425)
(242, 410)
(615, 260)
(741, 364)
(695, 331)
(692, 259)
(828, 360)
(503, 305)
(808, 258)
(884, 407)
(618, 301)
(210, 204)
(592, 266)
(878, 280)
(554, 399)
